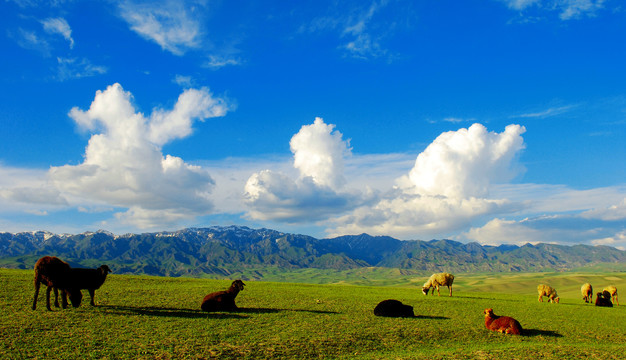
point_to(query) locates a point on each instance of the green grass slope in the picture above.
(143, 317)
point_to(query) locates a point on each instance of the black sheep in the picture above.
(223, 300)
(393, 308)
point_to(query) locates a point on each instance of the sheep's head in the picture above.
(425, 290)
(488, 312)
(76, 296)
(238, 284)
(556, 299)
(104, 269)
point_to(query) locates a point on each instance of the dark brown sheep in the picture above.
(503, 324)
(603, 300)
(54, 272)
(393, 308)
(90, 279)
(223, 300)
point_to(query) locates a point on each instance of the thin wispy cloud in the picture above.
(567, 9)
(74, 68)
(172, 25)
(553, 111)
(59, 26)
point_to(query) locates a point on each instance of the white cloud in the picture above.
(217, 62)
(72, 68)
(319, 153)
(568, 9)
(463, 163)
(59, 26)
(124, 166)
(553, 111)
(172, 25)
(447, 188)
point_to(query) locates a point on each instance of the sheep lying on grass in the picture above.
(550, 292)
(54, 273)
(603, 299)
(503, 324)
(90, 279)
(393, 308)
(437, 280)
(612, 291)
(587, 291)
(223, 300)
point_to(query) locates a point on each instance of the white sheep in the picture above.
(436, 280)
(587, 291)
(550, 292)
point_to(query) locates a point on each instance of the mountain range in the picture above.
(222, 250)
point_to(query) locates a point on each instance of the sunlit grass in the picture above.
(153, 317)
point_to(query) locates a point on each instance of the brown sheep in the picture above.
(223, 300)
(436, 280)
(53, 272)
(393, 308)
(603, 299)
(503, 324)
(612, 290)
(587, 291)
(550, 292)
(90, 279)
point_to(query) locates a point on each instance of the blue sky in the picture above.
(496, 121)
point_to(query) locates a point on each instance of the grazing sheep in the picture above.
(503, 324)
(223, 300)
(53, 272)
(393, 308)
(437, 280)
(90, 279)
(587, 292)
(612, 290)
(550, 292)
(603, 299)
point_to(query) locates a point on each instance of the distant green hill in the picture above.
(222, 251)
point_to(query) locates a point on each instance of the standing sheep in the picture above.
(587, 291)
(223, 300)
(90, 279)
(436, 280)
(612, 290)
(550, 292)
(503, 324)
(54, 273)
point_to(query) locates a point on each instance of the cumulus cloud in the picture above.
(318, 156)
(172, 25)
(123, 163)
(59, 26)
(447, 188)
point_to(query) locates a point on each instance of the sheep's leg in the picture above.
(48, 297)
(56, 297)
(540, 298)
(450, 288)
(64, 299)
(438, 293)
(92, 292)
(37, 285)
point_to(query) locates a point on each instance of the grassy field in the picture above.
(151, 317)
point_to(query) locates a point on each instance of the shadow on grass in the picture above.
(166, 312)
(536, 332)
(431, 317)
(270, 311)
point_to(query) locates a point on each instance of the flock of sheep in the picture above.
(57, 275)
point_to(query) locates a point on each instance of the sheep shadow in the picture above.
(165, 312)
(431, 317)
(537, 332)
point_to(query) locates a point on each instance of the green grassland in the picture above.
(155, 317)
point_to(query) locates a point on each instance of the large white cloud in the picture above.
(447, 188)
(318, 152)
(123, 163)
